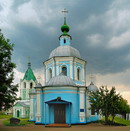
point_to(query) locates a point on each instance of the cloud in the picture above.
(126, 95)
(95, 40)
(118, 80)
(38, 74)
(17, 3)
(1, 8)
(119, 41)
(17, 75)
(100, 31)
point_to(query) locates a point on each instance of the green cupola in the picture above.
(65, 27)
(65, 37)
(29, 75)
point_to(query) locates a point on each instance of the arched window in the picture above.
(18, 113)
(64, 40)
(64, 70)
(24, 85)
(31, 85)
(78, 74)
(50, 73)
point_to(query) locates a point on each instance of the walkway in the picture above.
(88, 127)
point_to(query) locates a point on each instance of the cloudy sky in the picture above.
(100, 30)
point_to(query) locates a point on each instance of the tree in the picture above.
(7, 90)
(105, 102)
(124, 107)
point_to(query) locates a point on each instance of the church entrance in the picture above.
(59, 113)
(18, 113)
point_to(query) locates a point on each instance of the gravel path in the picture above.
(88, 127)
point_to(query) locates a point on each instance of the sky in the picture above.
(100, 30)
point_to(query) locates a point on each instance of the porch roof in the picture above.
(58, 101)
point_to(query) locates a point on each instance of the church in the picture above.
(22, 107)
(65, 97)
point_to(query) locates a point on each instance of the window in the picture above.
(50, 73)
(64, 70)
(78, 74)
(64, 40)
(18, 113)
(24, 85)
(92, 110)
(81, 110)
(31, 85)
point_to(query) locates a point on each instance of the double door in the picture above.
(59, 113)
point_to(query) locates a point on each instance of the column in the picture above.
(31, 108)
(82, 105)
(22, 112)
(38, 108)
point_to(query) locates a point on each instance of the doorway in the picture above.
(59, 113)
(18, 113)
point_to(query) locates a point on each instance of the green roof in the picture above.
(29, 75)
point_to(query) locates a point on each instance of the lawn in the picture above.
(22, 122)
(117, 121)
(6, 122)
(3, 116)
(121, 121)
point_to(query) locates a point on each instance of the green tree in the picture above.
(105, 102)
(7, 90)
(124, 107)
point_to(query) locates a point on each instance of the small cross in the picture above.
(92, 77)
(29, 64)
(65, 12)
(39, 78)
(29, 59)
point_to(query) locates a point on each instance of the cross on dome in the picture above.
(64, 12)
(29, 63)
(92, 78)
(65, 27)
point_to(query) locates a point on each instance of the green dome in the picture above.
(65, 28)
(29, 74)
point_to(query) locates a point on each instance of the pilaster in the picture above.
(31, 108)
(82, 105)
(38, 108)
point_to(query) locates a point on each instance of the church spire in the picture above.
(65, 37)
(29, 75)
(65, 27)
(64, 12)
(29, 63)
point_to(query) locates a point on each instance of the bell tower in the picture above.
(28, 83)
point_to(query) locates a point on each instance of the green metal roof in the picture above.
(29, 74)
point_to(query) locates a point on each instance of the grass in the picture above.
(121, 121)
(3, 116)
(117, 121)
(6, 122)
(22, 122)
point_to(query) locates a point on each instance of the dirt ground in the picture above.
(88, 127)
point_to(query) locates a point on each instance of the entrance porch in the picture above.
(58, 111)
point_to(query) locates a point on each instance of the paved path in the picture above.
(88, 127)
